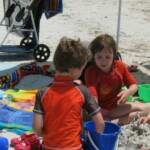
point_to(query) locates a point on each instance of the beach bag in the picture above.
(53, 7)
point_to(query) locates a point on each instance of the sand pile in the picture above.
(134, 136)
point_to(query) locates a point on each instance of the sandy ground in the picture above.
(86, 19)
(134, 137)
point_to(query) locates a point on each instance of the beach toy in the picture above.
(4, 143)
(22, 146)
(108, 140)
(26, 142)
(130, 99)
(144, 92)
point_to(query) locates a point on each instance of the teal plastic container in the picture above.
(144, 92)
(108, 140)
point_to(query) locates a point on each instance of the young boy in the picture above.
(58, 108)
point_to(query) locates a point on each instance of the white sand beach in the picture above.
(85, 19)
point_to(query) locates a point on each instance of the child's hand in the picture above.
(145, 148)
(144, 120)
(123, 95)
(77, 81)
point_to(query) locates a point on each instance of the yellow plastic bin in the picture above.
(144, 92)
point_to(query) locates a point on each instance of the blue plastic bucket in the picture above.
(108, 140)
(4, 143)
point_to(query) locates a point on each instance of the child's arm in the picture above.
(132, 89)
(123, 95)
(91, 106)
(89, 83)
(129, 81)
(99, 122)
(37, 123)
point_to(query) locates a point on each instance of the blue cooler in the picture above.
(108, 140)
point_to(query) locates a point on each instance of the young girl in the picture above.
(106, 76)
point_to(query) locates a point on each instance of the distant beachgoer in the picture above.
(106, 77)
(58, 108)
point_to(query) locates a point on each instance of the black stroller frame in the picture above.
(41, 52)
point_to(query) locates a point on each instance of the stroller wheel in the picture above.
(41, 53)
(27, 42)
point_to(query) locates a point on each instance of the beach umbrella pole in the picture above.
(118, 23)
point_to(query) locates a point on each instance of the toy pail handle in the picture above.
(91, 140)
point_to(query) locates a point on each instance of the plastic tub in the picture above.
(144, 92)
(108, 140)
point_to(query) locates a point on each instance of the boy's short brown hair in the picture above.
(70, 54)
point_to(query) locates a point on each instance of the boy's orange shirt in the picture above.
(61, 106)
(108, 85)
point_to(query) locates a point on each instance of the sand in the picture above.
(86, 19)
(134, 136)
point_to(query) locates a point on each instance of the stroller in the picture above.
(41, 52)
